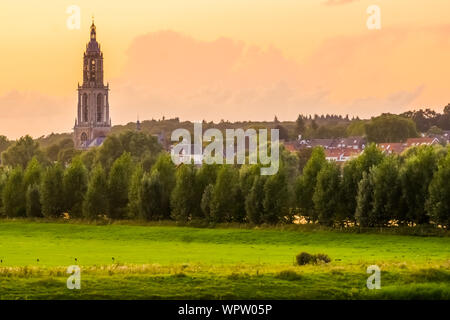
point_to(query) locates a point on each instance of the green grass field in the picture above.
(170, 262)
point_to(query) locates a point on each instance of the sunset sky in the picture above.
(223, 59)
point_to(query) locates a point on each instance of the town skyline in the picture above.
(320, 58)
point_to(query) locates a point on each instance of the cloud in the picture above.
(35, 114)
(171, 74)
(337, 2)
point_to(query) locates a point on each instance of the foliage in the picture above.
(223, 203)
(21, 152)
(95, 202)
(52, 191)
(276, 199)
(306, 184)
(152, 196)
(33, 201)
(75, 183)
(184, 199)
(304, 258)
(415, 177)
(438, 203)
(254, 206)
(326, 198)
(167, 180)
(13, 194)
(118, 186)
(390, 128)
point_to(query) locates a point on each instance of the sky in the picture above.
(223, 59)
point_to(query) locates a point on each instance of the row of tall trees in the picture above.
(371, 190)
(377, 190)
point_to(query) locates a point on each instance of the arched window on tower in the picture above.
(84, 139)
(99, 107)
(85, 108)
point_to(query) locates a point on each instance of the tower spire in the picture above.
(93, 30)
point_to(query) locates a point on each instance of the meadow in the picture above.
(120, 261)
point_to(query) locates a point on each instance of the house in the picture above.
(427, 141)
(355, 143)
(443, 138)
(341, 154)
(392, 147)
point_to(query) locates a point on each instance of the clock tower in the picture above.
(93, 122)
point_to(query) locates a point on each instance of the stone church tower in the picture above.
(93, 122)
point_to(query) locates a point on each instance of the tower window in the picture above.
(99, 107)
(84, 138)
(85, 108)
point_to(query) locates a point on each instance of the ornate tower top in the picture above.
(93, 31)
(93, 61)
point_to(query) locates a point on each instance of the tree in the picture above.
(118, 186)
(96, 200)
(415, 177)
(3, 179)
(33, 173)
(52, 191)
(33, 201)
(254, 203)
(326, 196)
(166, 170)
(152, 196)
(206, 201)
(438, 203)
(276, 199)
(139, 145)
(75, 184)
(364, 200)
(306, 183)
(447, 109)
(89, 157)
(223, 203)
(134, 193)
(283, 134)
(109, 152)
(13, 194)
(21, 152)
(351, 176)
(386, 192)
(4, 144)
(390, 128)
(300, 126)
(205, 176)
(184, 201)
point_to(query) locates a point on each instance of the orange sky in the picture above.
(223, 59)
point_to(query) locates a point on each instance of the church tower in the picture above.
(93, 122)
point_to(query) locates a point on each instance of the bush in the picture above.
(304, 258)
(321, 257)
(289, 275)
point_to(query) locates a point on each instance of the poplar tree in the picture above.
(75, 183)
(326, 197)
(118, 186)
(52, 191)
(96, 199)
(13, 194)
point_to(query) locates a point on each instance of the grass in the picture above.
(170, 262)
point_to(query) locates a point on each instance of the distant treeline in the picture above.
(384, 128)
(130, 177)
